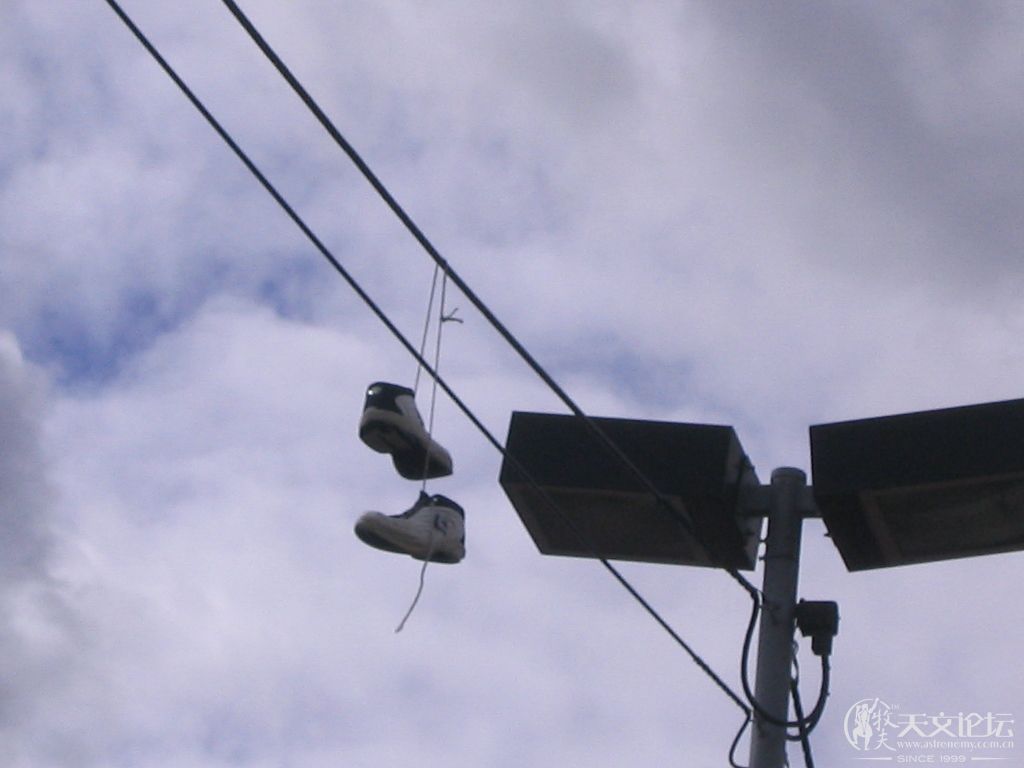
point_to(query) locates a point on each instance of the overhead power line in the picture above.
(610, 445)
(382, 316)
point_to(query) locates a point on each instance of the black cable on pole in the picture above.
(736, 742)
(507, 335)
(798, 710)
(382, 316)
(808, 722)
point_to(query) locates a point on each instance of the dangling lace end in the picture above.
(419, 591)
(415, 600)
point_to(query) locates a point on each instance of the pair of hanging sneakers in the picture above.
(434, 528)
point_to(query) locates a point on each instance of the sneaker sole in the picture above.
(384, 437)
(379, 542)
(410, 465)
(379, 432)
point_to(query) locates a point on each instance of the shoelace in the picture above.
(441, 319)
(423, 572)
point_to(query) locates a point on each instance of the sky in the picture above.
(760, 215)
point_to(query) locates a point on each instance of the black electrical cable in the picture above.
(809, 722)
(798, 709)
(426, 244)
(735, 743)
(269, 187)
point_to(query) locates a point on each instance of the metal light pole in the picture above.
(775, 636)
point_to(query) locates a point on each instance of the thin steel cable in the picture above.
(513, 462)
(610, 445)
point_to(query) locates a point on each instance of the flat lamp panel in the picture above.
(611, 525)
(920, 487)
(972, 519)
(587, 504)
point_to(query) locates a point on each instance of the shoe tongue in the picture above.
(444, 501)
(423, 501)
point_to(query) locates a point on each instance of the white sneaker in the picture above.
(433, 529)
(391, 424)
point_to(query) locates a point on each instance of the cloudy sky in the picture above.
(763, 215)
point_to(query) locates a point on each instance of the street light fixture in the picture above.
(577, 499)
(923, 486)
(895, 490)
